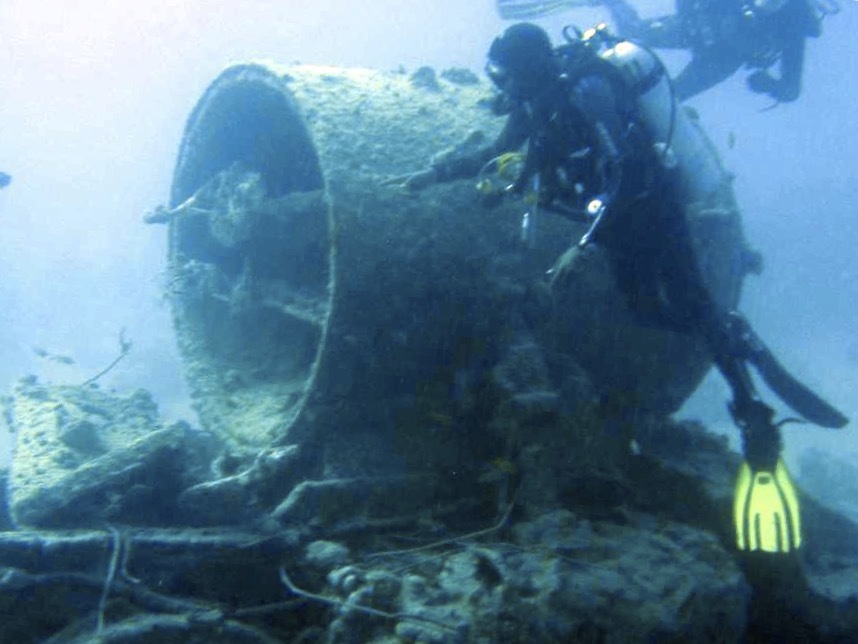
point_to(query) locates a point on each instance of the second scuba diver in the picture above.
(725, 35)
(722, 36)
(589, 113)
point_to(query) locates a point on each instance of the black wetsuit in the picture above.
(584, 142)
(724, 35)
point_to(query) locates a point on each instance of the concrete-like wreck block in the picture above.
(83, 457)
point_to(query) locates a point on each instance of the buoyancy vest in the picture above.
(650, 111)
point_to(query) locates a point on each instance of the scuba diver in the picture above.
(722, 36)
(5, 179)
(607, 144)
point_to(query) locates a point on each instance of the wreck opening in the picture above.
(249, 248)
(247, 116)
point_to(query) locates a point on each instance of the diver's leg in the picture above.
(668, 263)
(792, 62)
(689, 306)
(707, 68)
(654, 266)
(664, 33)
(761, 440)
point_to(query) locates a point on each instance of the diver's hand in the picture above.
(413, 181)
(761, 82)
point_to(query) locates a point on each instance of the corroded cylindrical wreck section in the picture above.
(315, 305)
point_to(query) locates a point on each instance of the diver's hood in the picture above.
(521, 61)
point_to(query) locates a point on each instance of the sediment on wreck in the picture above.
(122, 564)
(314, 305)
(324, 319)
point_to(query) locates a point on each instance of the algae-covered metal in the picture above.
(296, 275)
(315, 305)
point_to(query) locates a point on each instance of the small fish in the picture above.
(529, 9)
(498, 471)
(5, 179)
(441, 418)
(504, 466)
(53, 357)
(731, 140)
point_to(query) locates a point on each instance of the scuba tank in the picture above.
(676, 136)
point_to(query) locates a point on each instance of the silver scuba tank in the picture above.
(673, 128)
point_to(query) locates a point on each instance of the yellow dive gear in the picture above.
(500, 173)
(766, 510)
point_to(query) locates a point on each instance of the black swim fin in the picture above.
(794, 393)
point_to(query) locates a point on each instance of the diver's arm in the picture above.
(450, 165)
(465, 160)
(460, 163)
(462, 166)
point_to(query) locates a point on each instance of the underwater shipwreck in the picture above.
(408, 431)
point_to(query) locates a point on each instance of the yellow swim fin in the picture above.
(766, 510)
